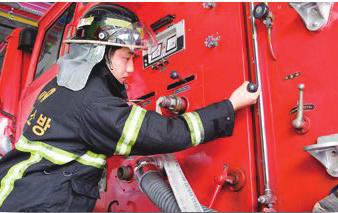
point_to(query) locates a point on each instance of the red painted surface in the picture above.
(10, 83)
(297, 179)
(14, 62)
(32, 87)
(218, 71)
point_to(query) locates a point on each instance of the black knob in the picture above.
(261, 11)
(174, 75)
(252, 87)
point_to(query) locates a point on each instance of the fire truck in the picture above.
(282, 155)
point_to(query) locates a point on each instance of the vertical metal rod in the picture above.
(264, 150)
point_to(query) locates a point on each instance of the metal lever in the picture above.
(267, 203)
(262, 12)
(299, 122)
(233, 178)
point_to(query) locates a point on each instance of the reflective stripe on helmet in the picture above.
(59, 156)
(15, 173)
(195, 126)
(118, 23)
(130, 131)
(85, 21)
(109, 22)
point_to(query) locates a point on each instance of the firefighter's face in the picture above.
(122, 64)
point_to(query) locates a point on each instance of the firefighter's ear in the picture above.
(108, 62)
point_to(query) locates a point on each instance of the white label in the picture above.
(171, 43)
(168, 44)
(156, 52)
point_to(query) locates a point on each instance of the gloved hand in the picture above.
(241, 97)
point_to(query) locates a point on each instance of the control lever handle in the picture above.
(252, 87)
(299, 122)
(263, 13)
(233, 178)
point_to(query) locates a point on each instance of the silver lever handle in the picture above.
(299, 122)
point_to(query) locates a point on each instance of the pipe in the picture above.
(18, 18)
(267, 197)
(17, 6)
(158, 191)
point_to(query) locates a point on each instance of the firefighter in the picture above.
(82, 116)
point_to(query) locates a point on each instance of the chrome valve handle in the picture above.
(299, 122)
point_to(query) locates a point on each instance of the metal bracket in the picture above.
(314, 14)
(292, 76)
(326, 151)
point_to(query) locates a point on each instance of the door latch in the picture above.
(263, 13)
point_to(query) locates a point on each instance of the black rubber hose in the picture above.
(160, 193)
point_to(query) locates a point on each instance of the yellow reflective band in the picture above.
(195, 126)
(15, 173)
(86, 21)
(130, 131)
(59, 156)
(92, 159)
(18, 19)
(118, 23)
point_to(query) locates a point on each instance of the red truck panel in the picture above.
(297, 179)
(218, 72)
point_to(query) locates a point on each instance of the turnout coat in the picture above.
(58, 161)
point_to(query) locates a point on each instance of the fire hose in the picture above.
(155, 187)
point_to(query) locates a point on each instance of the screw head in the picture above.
(102, 35)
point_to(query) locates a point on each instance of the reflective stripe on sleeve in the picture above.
(59, 156)
(92, 159)
(195, 126)
(130, 131)
(15, 173)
